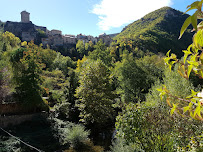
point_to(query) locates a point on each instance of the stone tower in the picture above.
(25, 17)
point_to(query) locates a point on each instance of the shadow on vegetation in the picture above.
(37, 133)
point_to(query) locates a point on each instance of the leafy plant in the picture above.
(27, 67)
(95, 95)
(76, 136)
(119, 145)
(192, 62)
(70, 134)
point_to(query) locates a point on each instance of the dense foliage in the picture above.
(135, 76)
(158, 31)
(95, 93)
(108, 96)
(149, 126)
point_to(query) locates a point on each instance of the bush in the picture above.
(149, 125)
(145, 127)
(62, 110)
(70, 134)
(119, 145)
(88, 147)
(9, 145)
(77, 136)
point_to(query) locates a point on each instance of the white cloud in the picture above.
(115, 13)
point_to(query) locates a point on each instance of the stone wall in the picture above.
(13, 120)
(17, 28)
(10, 108)
(17, 108)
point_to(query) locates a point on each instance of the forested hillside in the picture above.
(125, 97)
(158, 31)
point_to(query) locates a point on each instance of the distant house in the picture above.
(56, 32)
(57, 40)
(69, 39)
(105, 38)
(91, 38)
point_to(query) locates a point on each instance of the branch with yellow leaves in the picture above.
(179, 105)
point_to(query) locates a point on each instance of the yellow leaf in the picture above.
(168, 102)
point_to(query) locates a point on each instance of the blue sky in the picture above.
(90, 17)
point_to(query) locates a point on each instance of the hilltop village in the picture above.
(128, 97)
(27, 31)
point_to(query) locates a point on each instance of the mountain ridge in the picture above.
(158, 31)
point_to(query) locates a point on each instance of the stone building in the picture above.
(105, 38)
(25, 17)
(48, 32)
(69, 39)
(83, 38)
(56, 32)
(25, 31)
(58, 40)
(92, 38)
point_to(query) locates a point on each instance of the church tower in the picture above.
(25, 17)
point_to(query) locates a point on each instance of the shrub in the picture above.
(77, 136)
(145, 127)
(70, 134)
(9, 145)
(119, 145)
(149, 125)
(62, 110)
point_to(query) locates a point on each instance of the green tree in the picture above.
(133, 82)
(80, 47)
(10, 41)
(63, 63)
(27, 66)
(149, 126)
(55, 83)
(89, 46)
(48, 56)
(4, 80)
(153, 66)
(101, 52)
(95, 95)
